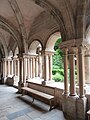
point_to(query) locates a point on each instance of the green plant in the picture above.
(58, 77)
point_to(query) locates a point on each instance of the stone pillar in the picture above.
(18, 68)
(36, 67)
(77, 67)
(72, 71)
(65, 51)
(4, 69)
(45, 67)
(33, 67)
(39, 66)
(87, 66)
(20, 56)
(28, 68)
(8, 67)
(12, 67)
(15, 67)
(50, 67)
(46, 61)
(24, 68)
(81, 70)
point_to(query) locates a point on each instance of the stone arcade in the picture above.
(28, 32)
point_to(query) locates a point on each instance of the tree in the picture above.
(58, 71)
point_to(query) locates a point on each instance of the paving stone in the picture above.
(15, 107)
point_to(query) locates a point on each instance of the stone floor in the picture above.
(13, 106)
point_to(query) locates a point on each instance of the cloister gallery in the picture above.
(28, 32)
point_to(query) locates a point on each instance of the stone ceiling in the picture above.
(22, 21)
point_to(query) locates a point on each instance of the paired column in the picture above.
(8, 67)
(4, 68)
(36, 66)
(47, 65)
(81, 70)
(50, 67)
(72, 71)
(87, 66)
(25, 58)
(30, 67)
(28, 72)
(33, 67)
(20, 57)
(65, 51)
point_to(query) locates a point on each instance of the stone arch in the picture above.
(2, 51)
(20, 20)
(5, 25)
(2, 40)
(16, 51)
(67, 30)
(51, 41)
(34, 46)
(88, 35)
(81, 19)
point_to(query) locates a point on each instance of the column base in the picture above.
(81, 108)
(69, 107)
(21, 85)
(66, 93)
(43, 82)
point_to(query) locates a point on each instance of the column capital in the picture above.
(15, 58)
(47, 52)
(72, 50)
(4, 59)
(81, 49)
(65, 51)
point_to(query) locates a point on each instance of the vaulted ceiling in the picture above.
(22, 21)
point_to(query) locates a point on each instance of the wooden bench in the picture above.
(35, 93)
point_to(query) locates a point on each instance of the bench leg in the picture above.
(33, 100)
(50, 105)
(23, 92)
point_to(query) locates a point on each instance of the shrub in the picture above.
(58, 77)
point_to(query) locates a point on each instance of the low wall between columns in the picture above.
(10, 80)
(49, 90)
(88, 101)
(74, 107)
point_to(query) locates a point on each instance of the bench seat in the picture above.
(35, 93)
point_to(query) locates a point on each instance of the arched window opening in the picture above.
(58, 71)
(34, 61)
(57, 57)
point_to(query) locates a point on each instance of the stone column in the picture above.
(33, 67)
(65, 51)
(12, 67)
(24, 68)
(81, 70)
(18, 68)
(46, 61)
(72, 71)
(87, 66)
(8, 67)
(4, 69)
(36, 67)
(45, 66)
(39, 66)
(20, 56)
(15, 67)
(28, 68)
(77, 67)
(50, 67)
